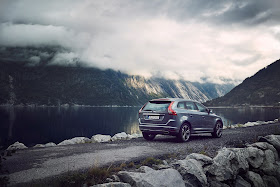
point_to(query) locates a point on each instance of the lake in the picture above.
(33, 125)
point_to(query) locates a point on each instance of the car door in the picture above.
(205, 119)
(193, 115)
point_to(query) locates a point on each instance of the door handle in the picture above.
(191, 116)
(203, 116)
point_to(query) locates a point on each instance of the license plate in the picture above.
(153, 117)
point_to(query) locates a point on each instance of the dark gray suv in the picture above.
(178, 117)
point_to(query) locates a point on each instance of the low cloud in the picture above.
(215, 41)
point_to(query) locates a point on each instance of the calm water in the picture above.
(49, 124)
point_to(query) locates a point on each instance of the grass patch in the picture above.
(98, 175)
(203, 152)
(150, 161)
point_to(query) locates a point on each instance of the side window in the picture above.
(190, 106)
(200, 107)
(181, 105)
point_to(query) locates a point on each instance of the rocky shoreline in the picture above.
(255, 165)
(99, 138)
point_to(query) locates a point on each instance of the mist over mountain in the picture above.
(263, 88)
(52, 76)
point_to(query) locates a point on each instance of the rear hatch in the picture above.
(155, 112)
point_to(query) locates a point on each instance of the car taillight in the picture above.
(170, 110)
(142, 107)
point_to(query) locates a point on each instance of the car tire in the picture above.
(148, 136)
(217, 133)
(184, 133)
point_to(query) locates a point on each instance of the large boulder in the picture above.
(255, 179)
(269, 165)
(16, 146)
(119, 136)
(192, 172)
(112, 184)
(215, 183)
(152, 178)
(255, 157)
(202, 159)
(273, 140)
(240, 182)
(76, 140)
(228, 163)
(265, 146)
(270, 181)
(100, 138)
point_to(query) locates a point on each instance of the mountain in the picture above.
(29, 76)
(212, 90)
(263, 88)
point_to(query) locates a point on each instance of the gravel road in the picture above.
(39, 163)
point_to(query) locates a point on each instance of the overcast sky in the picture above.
(195, 40)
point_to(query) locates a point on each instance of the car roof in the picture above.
(173, 99)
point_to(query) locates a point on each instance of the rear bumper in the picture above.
(168, 128)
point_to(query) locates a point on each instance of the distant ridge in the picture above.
(261, 89)
(28, 77)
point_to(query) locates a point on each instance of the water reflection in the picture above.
(52, 124)
(32, 125)
(233, 116)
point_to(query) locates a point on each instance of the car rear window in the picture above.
(159, 106)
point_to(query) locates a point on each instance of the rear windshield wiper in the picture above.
(148, 110)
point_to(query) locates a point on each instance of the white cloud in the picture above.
(22, 35)
(145, 37)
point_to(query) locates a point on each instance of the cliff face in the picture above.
(261, 89)
(25, 79)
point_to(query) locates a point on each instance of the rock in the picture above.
(161, 166)
(164, 165)
(202, 159)
(136, 135)
(112, 184)
(119, 136)
(273, 140)
(145, 169)
(152, 178)
(228, 163)
(39, 146)
(76, 140)
(270, 181)
(129, 137)
(109, 180)
(264, 146)
(255, 179)
(269, 166)
(50, 144)
(277, 170)
(240, 182)
(214, 183)
(116, 178)
(100, 138)
(16, 146)
(255, 157)
(192, 172)
(165, 162)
